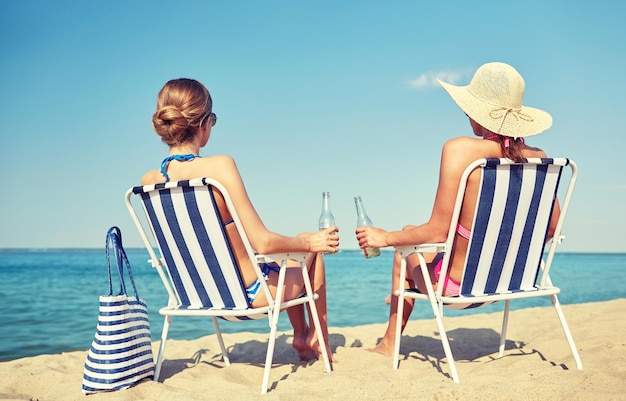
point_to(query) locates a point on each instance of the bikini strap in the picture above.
(491, 137)
(181, 158)
(462, 231)
(507, 143)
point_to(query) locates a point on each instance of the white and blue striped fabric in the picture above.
(121, 352)
(510, 225)
(192, 240)
(505, 252)
(197, 265)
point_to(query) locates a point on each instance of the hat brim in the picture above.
(527, 121)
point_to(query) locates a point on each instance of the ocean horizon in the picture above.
(50, 295)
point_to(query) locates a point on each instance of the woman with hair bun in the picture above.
(184, 119)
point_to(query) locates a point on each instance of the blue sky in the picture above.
(311, 96)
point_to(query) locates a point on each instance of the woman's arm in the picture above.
(455, 156)
(261, 239)
(556, 212)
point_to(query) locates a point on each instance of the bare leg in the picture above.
(294, 286)
(305, 339)
(317, 275)
(414, 279)
(388, 297)
(385, 346)
(301, 333)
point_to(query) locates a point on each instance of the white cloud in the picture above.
(429, 79)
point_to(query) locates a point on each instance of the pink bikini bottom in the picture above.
(450, 285)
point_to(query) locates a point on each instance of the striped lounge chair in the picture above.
(507, 244)
(197, 266)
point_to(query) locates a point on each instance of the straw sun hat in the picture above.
(494, 100)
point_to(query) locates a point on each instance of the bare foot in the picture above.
(314, 344)
(305, 352)
(382, 349)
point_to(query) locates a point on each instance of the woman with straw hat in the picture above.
(493, 103)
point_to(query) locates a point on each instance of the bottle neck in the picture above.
(360, 210)
(362, 218)
(326, 218)
(325, 202)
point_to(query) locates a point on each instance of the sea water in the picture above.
(49, 298)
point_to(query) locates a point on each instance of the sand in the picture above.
(537, 364)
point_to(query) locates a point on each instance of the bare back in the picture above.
(222, 169)
(457, 155)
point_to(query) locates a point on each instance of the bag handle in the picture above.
(114, 240)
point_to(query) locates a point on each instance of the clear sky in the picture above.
(311, 96)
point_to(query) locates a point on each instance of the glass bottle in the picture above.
(326, 218)
(363, 220)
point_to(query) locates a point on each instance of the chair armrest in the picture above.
(297, 256)
(407, 250)
(556, 241)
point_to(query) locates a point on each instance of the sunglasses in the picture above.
(213, 119)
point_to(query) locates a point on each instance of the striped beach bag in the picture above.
(121, 352)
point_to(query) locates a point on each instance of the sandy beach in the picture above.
(537, 364)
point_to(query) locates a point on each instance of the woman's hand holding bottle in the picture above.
(363, 222)
(327, 219)
(371, 237)
(325, 240)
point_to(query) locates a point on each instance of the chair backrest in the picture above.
(511, 222)
(187, 225)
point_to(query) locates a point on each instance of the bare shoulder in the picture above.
(460, 143)
(459, 152)
(529, 151)
(219, 162)
(220, 167)
(222, 159)
(152, 177)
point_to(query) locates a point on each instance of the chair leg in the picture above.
(444, 341)
(320, 334)
(398, 336)
(399, 313)
(437, 307)
(505, 322)
(273, 315)
(316, 318)
(166, 326)
(270, 352)
(218, 332)
(568, 334)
